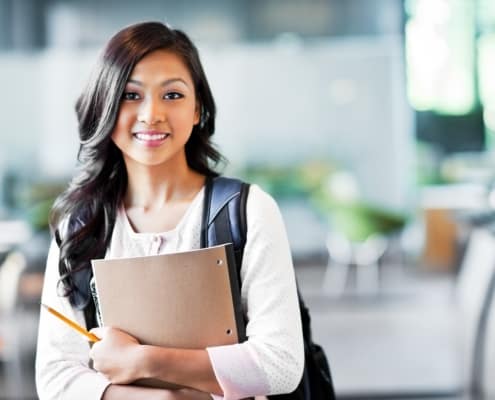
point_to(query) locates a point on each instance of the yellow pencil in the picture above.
(72, 324)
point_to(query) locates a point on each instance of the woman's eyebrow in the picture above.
(164, 83)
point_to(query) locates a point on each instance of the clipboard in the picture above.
(183, 300)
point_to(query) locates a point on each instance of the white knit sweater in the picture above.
(269, 362)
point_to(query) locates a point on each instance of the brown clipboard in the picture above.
(182, 300)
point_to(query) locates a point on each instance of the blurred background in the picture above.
(372, 123)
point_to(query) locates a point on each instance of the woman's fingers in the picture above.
(115, 355)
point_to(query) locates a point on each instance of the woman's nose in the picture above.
(151, 112)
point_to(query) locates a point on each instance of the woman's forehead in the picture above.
(161, 64)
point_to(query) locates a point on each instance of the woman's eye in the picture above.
(130, 96)
(173, 96)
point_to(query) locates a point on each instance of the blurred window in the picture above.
(486, 65)
(441, 55)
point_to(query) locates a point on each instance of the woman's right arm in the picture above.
(62, 361)
(62, 357)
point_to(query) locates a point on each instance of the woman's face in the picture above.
(157, 111)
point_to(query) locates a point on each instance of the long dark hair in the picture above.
(83, 216)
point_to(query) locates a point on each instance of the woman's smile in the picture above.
(151, 138)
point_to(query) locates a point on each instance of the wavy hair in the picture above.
(83, 216)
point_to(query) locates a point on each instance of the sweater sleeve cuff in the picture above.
(237, 372)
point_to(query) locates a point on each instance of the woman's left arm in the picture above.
(271, 361)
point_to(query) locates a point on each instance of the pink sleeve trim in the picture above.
(237, 372)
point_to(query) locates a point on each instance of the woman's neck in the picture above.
(152, 187)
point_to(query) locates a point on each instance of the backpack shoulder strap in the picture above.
(224, 214)
(224, 221)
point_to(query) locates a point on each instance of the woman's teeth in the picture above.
(155, 136)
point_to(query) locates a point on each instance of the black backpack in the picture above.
(224, 221)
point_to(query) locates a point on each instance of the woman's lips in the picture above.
(151, 138)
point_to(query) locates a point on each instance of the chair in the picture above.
(10, 326)
(358, 236)
(10, 274)
(365, 256)
(483, 360)
(474, 295)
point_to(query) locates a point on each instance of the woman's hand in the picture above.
(121, 358)
(120, 392)
(116, 355)
(188, 394)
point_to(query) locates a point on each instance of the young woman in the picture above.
(145, 123)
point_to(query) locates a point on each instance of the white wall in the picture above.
(278, 102)
(339, 99)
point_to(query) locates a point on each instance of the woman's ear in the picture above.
(198, 113)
